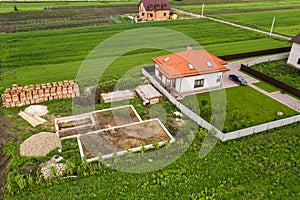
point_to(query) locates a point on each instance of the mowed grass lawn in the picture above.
(245, 107)
(54, 55)
(266, 86)
(287, 21)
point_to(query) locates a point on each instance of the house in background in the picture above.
(151, 10)
(189, 71)
(294, 57)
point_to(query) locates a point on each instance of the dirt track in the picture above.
(4, 137)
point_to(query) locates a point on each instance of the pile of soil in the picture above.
(89, 100)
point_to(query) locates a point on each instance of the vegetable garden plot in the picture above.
(69, 127)
(116, 116)
(122, 138)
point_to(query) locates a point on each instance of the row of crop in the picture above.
(66, 41)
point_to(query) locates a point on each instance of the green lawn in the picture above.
(245, 107)
(280, 71)
(287, 21)
(261, 166)
(266, 86)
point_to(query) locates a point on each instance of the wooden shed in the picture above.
(149, 94)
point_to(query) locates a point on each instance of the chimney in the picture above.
(189, 47)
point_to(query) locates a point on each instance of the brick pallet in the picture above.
(32, 94)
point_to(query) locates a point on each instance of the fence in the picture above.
(260, 128)
(186, 111)
(201, 122)
(247, 68)
(255, 53)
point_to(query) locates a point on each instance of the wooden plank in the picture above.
(117, 96)
(33, 120)
(149, 94)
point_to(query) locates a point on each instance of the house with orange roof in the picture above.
(294, 57)
(189, 71)
(151, 10)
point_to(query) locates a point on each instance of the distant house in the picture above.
(189, 71)
(151, 10)
(294, 57)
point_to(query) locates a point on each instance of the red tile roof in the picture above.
(189, 63)
(296, 39)
(154, 5)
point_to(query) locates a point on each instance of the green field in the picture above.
(242, 6)
(242, 105)
(9, 7)
(42, 56)
(261, 166)
(280, 71)
(287, 21)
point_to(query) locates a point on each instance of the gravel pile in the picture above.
(40, 144)
(51, 168)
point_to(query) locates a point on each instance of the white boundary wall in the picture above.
(235, 134)
(266, 59)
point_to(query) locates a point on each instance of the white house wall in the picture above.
(187, 83)
(294, 55)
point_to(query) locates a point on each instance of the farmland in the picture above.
(259, 166)
(242, 6)
(287, 21)
(9, 7)
(61, 17)
(23, 62)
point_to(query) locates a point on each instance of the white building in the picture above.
(190, 71)
(294, 57)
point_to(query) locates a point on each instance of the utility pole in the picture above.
(202, 12)
(272, 26)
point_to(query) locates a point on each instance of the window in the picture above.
(166, 59)
(298, 61)
(143, 14)
(157, 6)
(151, 15)
(209, 64)
(218, 79)
(173, 83)
(199, 83)
(165, 14)
(191, 66)
(160, 75)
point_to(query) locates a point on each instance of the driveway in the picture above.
(234, 69)
(282, 98)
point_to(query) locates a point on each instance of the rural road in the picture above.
(230, 23)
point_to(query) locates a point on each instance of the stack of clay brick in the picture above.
(19, 96)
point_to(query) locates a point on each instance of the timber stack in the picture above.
(33, 94)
